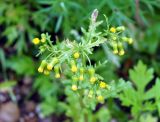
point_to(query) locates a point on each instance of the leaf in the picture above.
(103, 114)
(7, 85)
(135, 96)
(58, 24)
(116, 88)
(154, 93)
(141, 76)
(48, 106)
(22, 65)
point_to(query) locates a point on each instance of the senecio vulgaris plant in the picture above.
(70, 59)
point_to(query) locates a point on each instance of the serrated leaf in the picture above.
(136, 97)
(141, 76)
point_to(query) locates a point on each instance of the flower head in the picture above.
(46, 72)
(81, 77)
(53, 62)
(102, 85)
(36, 41)
(100, 98)
(57, 75)
(42, 66)
(40, 69)
(121, 52)
(130, 40)
(74, 87)
(74, 68)
(76, 55)
(93, 79)
(113, 29)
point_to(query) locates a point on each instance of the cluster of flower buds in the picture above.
(86, 74)
(47, 66)
(41, 42)
(37, 41)
(117, 40)
(80, 73)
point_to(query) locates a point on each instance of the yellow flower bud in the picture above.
(43, 38)
(46, 72)
(76, 55)
(121, 52)
(52, 63)
(40, 69)
(113, 29)
(74, 68)
(130, 40)
(102, 85)
(74, 87)
(115, 51)
(100, 98)
(81, 77)
(42, 66)
(49, 67)
(36, 41)
(57, 75)
(93, 79)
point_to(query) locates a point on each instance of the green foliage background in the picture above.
(21, 20)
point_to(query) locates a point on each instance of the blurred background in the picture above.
(38, 96)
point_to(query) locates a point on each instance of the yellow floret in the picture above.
(57, 75)
(36, 41)
(76, 55)
(100, 98)
(74, 68)
(81, 77)
(130, 40)
(40, 69)
(121, 52)
(92, 79)
(49, 66)
(115, 51)
(113, 29)
(74, 87)
(102, 85)
(46, 72)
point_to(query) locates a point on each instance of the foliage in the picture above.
(137, 97)
(22, 65)
(21, 20)
(7, 85)
(74, 56)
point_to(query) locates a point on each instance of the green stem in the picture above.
(85, 115)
